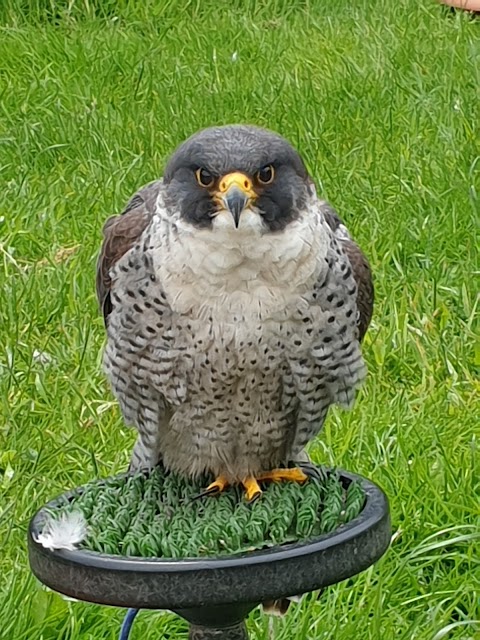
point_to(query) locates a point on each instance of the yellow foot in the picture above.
(250, 484)
(216, 487)
(252, 489)
(284, 475)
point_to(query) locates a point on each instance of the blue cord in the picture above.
(127, 623)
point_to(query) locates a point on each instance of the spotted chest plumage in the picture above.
(230, 392)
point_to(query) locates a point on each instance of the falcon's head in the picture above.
(237, 176)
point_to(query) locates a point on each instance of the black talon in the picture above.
(255, 498)
(208, 492)
(312, 471)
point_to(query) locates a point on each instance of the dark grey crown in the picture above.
(234, 148)
(221, 150)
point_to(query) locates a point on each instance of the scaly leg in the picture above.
(252, 489)
(284, 475)
(251, 483)
(217, 486)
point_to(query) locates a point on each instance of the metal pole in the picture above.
(236, 632)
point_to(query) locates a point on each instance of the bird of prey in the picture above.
(235, 302)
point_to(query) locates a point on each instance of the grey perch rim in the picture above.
(247, 578)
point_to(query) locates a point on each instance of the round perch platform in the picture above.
(215, 595)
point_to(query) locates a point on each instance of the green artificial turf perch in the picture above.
(158, 515)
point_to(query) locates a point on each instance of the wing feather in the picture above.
(360, 266)
(120, 233)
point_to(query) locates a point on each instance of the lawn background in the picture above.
(382, 99)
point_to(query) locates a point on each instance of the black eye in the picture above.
(266, 174)
(204, 177)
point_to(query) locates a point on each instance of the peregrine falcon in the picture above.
(235, 302)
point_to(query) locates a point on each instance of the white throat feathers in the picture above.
(242, 274)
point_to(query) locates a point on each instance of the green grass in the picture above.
(162, 515)
(384, 106)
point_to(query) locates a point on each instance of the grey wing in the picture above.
(142, 405)
(362, 272)
(335, 368)
(120, 233)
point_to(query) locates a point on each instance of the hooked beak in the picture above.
(235, 193)
(236, 201)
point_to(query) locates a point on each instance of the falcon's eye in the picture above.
(204, 177)
(266, 174)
